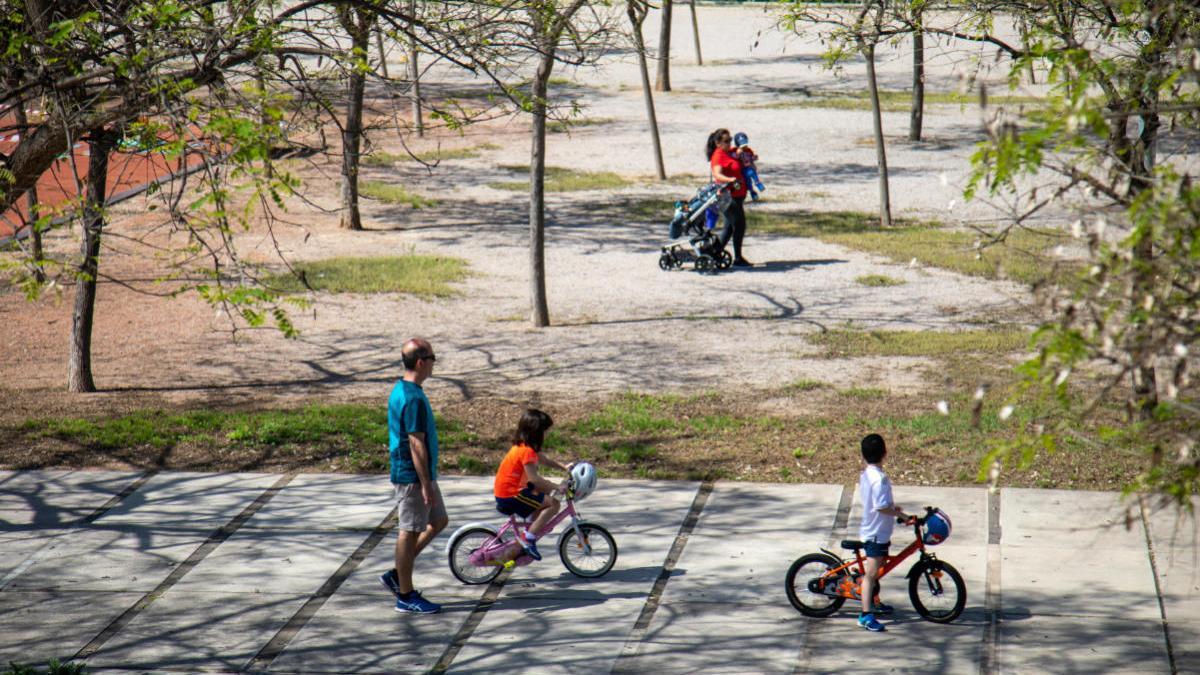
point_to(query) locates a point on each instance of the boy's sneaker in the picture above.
(883, 608)
(390, 581)
(531, 549)
(868, 621)
(417, 605)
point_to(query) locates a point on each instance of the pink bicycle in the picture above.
(479, 551)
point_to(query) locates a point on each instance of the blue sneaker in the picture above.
(417, 605)
(390, 581)
(868, 621)
(882, 608)
(531, 549)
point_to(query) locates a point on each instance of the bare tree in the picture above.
(696, 34)
(663, 80)
(357, 22)
(917, 112)
(637, 10)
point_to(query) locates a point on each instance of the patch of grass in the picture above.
(864, 392)
(895, 100)
(393, 194)
(559, 179)
(567, 125)
(424, 276)
(629, 453)
(630, 414)
(720, 436)
(878, 280)
(852, 343)
(806, 385)
(334, 424)
(1026, 255)
(381, 158)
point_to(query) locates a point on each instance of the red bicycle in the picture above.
(819, 583)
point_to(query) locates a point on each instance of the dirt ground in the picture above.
(619, 322)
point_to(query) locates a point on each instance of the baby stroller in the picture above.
(703, 247)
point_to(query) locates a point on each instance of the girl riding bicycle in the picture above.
(519, 489)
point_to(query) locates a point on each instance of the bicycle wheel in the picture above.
(804, 580)
(460, 557)
(578, 560)
(937, 591)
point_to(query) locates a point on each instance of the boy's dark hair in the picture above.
(873, 448)
(532, 428)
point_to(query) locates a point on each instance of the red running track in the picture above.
(129, 173)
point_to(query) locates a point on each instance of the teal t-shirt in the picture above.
(409, 412)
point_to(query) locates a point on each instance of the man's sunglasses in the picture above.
(431, 357)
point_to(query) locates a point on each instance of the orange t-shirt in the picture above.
(510, 478)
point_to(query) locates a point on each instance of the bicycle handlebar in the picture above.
(918, 520)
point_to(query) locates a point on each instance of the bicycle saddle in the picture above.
(851, 544)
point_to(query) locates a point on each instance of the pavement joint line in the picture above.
(284, 636)
(489, 598)
(813, 628)
(633, 643)
(104, 508)
(214, 540)
(989, 662)
(1158, 591)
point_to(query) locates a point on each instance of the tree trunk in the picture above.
(540, 311)
(414, 75)
(696, 35)
(915, 117)
(360, 35)
(647, 94)
(79, 365)
(663, 81)
(382, 53)
(31, 195)
(885, 204)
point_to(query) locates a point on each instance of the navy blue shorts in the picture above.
(526, 502)
(874, 549)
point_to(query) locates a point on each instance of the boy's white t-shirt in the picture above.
(876, 492)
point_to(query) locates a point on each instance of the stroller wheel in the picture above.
(666, 261)
(725, 260)
(706, 264)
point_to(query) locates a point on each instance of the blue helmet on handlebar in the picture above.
(937, 527)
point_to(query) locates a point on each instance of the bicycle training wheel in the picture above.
(804, 583)
(576, 557)
(937, 591)
(460, 557)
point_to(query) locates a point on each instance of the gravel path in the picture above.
(620, 323)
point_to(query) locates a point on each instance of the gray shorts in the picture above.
(413, 513)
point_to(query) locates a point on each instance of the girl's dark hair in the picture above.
(532, 428)
(711, 146)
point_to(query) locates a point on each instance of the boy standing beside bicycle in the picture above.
(879, 510)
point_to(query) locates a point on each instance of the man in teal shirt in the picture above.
(413, 446)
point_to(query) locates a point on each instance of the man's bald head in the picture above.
(413, 351)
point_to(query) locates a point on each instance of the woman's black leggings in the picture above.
(735, 226)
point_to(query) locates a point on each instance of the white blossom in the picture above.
(943, 407)
(1006, 412)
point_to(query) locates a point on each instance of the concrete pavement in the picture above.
(183, 572)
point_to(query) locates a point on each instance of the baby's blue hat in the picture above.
(740, 139)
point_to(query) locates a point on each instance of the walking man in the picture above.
(413, 444)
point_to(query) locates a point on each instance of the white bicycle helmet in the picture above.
(583, 479)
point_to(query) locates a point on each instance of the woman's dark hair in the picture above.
(711, 146)
(532, 428)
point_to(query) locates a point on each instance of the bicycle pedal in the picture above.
(509, 564)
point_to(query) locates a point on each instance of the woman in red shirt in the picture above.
(518, 488)
(727, 170)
